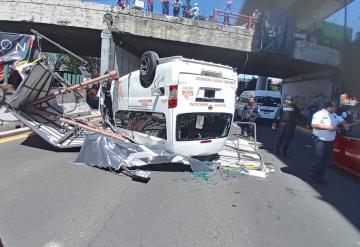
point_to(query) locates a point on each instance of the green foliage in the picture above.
(64, 62)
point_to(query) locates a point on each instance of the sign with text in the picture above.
(14, 47)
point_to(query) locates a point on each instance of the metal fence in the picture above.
(232, 19)
(72, 78)
(254, 141)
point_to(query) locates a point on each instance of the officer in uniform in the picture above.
(325, 124)
(284, 123)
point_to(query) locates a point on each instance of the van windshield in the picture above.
(200, 126)
(268, 101)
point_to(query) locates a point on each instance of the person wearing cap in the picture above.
(325, 123)
(284, 124)
(195, 11)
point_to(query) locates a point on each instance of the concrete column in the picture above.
(106, 44)
(262, 83)
(125, 61)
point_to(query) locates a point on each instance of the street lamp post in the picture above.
(345, 21)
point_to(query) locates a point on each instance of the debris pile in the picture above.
(57, 112)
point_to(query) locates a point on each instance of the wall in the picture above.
(315, 53)
(64, 13)
(74, 13)
(303, 92)
(125, 62)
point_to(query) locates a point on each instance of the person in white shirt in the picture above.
(195, 11)
(325, 123)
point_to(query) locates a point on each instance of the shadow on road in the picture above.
(36, 141)
(342, 189)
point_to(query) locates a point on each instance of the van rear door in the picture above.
(206, 107)
(206, 93)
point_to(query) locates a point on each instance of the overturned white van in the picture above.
(181, 105)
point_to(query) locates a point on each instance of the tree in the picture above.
(65, 62)
(350, 74)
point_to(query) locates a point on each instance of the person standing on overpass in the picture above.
(284, 123)
(177, 7)
(150, 5)
(227, 12)
(122, 4)
(165, 6)
(186, 9)
(325, 124)
(195, 11)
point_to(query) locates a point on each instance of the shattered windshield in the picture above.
(199, 126)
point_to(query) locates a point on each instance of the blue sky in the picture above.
(207, 6)
(353, 18)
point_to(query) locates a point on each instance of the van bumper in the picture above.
(199, 148)
(269, 115)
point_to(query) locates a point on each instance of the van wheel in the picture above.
(149, 61)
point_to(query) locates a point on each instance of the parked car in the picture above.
(182, 105)
(347, 150)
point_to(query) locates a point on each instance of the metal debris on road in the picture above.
(105, 152)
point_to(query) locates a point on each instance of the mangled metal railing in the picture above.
(40, 90)
(112, 75)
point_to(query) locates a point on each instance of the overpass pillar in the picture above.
(262, 83)
(106, 51)
(125, 61)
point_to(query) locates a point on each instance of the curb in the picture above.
(14, 132)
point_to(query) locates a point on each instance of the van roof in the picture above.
(180, 58)
(262, 93)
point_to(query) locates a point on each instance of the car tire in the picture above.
(148, 64)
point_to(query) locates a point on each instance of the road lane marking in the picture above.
(16, 137)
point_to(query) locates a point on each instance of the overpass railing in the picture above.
(232, 19)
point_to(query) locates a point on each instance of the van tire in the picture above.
(148, 64)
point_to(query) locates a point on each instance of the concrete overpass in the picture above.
(78, 25)
(304, 12)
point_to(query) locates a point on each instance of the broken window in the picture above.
(199, 126)
(149, 123)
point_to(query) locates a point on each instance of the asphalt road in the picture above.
(47, 201)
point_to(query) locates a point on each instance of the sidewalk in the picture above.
(8, 121)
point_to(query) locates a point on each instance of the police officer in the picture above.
(346, 114)
(249, 114)
(325, 124)
(284, 123)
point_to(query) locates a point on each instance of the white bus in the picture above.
(181, 105)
